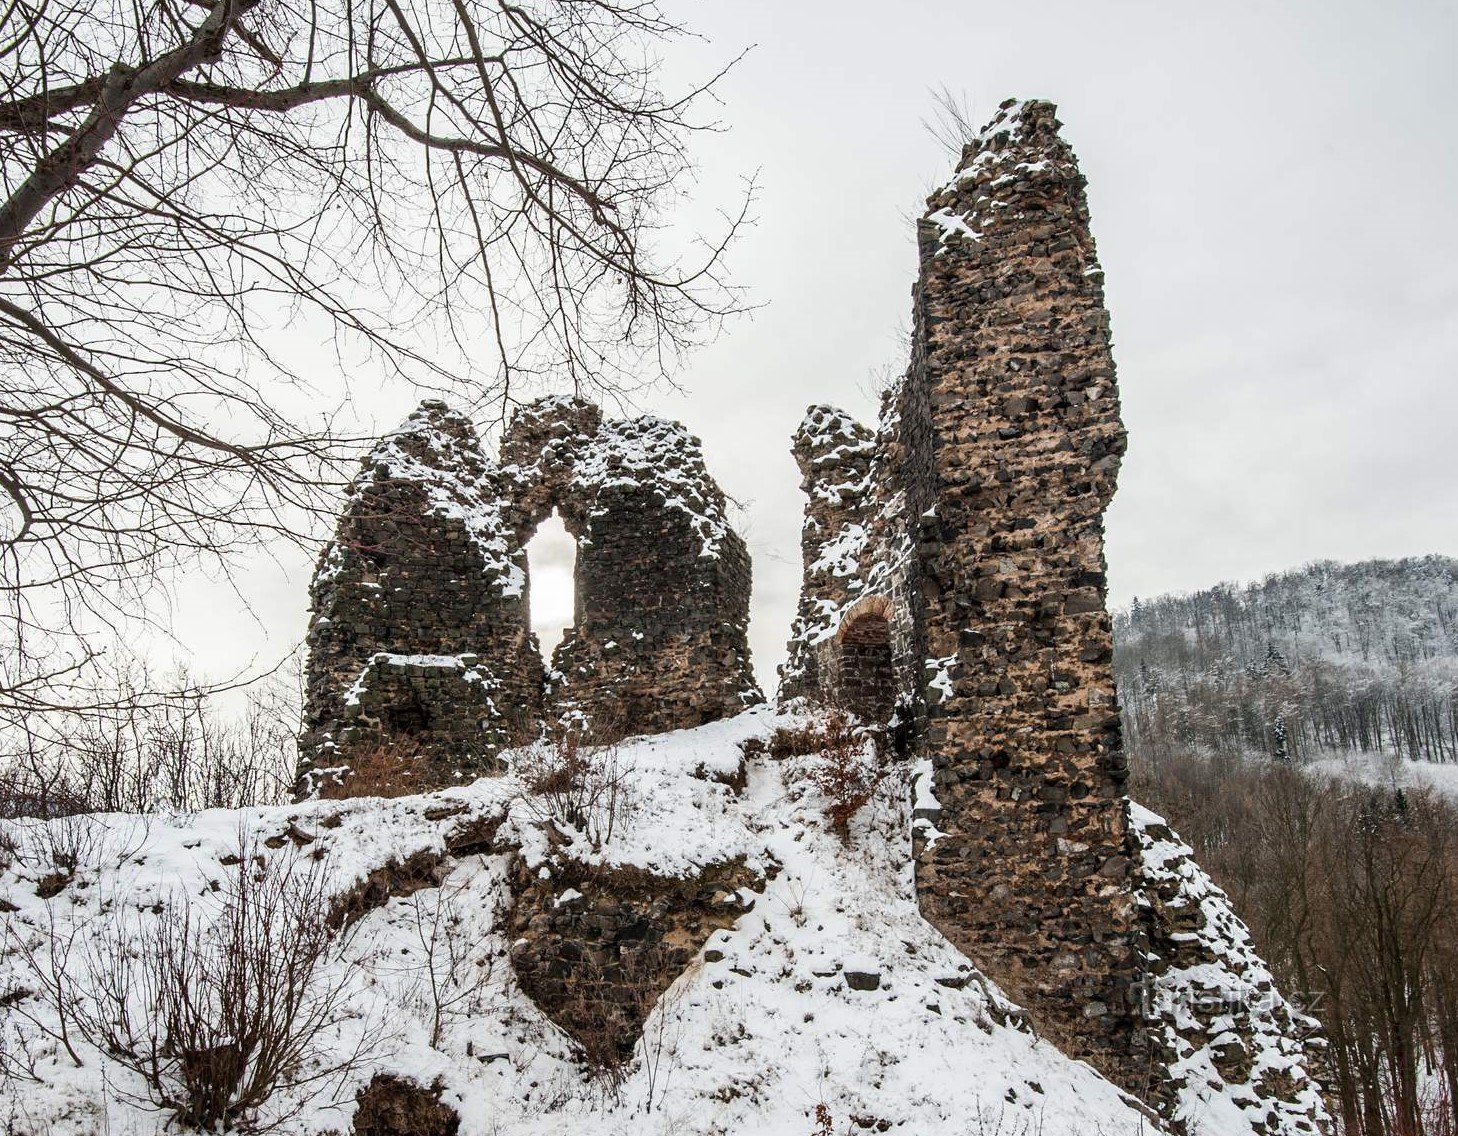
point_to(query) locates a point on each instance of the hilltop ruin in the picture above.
(422, 663)
(954, 601)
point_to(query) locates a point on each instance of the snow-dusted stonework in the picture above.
(421, 660)
(967, 534)
(660, 639)
(1239, 1056)
(422, 664)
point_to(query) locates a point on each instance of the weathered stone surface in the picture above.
(973, 527)
(422, 664)
(660, 639)
(1031, 876)
(596, 947)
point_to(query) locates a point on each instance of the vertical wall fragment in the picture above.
(973, 524)
(421, 663)
(1032, 872)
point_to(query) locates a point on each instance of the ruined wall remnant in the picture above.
(1032, 875)
(596, 947)
(422, 665)
(974, 524)
(660, 638)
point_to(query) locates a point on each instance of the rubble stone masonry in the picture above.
(1032, 871)
(972, 525)
(422, 665)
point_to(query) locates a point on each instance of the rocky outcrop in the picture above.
(1239, 1056)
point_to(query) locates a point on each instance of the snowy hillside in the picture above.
(1330, 659)
(829, 1005)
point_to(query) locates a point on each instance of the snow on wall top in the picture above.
(1018, 151)
(436, 448)
(661, 455)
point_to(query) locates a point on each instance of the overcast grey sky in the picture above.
(1273, 191)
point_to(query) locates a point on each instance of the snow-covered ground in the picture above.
(753, 1041)
(1385, 769)
(829, 1007)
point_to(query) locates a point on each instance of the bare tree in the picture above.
(216, 1017)
(182, 182)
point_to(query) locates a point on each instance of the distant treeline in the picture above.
(1328, 658)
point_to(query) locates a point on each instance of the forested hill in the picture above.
(1329, 658)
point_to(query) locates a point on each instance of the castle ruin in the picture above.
(422, 663)
(954, 593)
(965, 539)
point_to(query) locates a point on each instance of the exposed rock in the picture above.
(1234, 1048)
(596, 947)
(396, 1106)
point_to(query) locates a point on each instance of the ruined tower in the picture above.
(972, 531)
(421, 662)
(1031, 873)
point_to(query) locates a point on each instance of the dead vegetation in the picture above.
(845, 762)
(214, 1016)
(1351, 892)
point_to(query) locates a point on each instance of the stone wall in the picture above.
(974, 523)
(422, 665)
(1032, 874)
(660, 638)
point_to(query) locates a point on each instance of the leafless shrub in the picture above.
(45, 953)
(148, 752)
(218, 1016)
(577, 785)
(389, 768)
(456, 976)
(952, 123)
(845, 770)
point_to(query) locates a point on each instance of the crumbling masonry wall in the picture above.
(974, 522)
(422, 664)
(1032, 874)
(660, 638)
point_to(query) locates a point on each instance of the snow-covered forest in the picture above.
(1298, 732)
(1330, 658)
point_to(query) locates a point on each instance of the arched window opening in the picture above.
(552, 595)
(867, 680)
